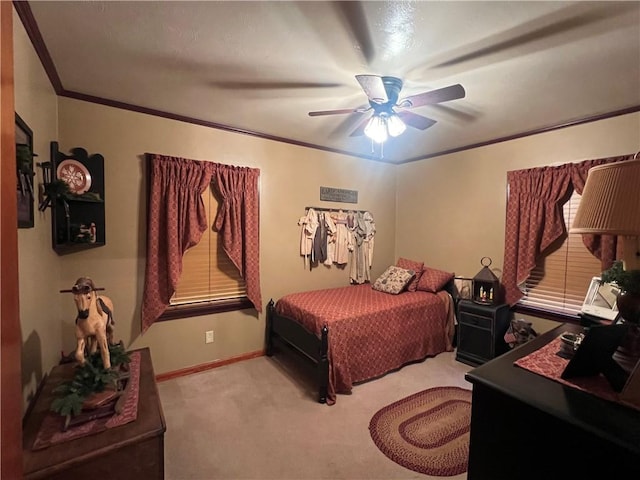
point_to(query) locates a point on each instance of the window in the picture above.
(210, 282)
(561, 278)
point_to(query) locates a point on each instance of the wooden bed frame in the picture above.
(285, 331)
(290, 333)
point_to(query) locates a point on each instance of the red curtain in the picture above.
(238, 222)
(534, 220)
(176, 220)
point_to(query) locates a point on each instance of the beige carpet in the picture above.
(258, 419)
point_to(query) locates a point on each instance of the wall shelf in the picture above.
(77, 203)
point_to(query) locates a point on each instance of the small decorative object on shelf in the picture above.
(76, 196)
(486, 286)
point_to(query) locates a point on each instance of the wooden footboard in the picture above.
(283, 329)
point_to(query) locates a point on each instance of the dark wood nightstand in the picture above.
(481, 330)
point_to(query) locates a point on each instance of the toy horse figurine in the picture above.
(94, 323)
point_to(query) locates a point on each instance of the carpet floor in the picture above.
(259, 419)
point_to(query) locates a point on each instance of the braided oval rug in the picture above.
(427, 432)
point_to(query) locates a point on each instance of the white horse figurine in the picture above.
(94, 323)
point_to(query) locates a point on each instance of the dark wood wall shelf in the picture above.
(78, 215)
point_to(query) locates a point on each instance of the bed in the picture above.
(355, 333)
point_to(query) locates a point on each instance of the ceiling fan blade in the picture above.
(359, 130)
(416, 121)
(338, 112)
(373, 86)
(445, 94)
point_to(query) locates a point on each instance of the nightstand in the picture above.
(481, 330)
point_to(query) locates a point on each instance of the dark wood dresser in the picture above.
(131, 451)
(526, 426)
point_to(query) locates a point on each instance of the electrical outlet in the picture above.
(208, 336)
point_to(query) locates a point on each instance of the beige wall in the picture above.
(290, 179)
(39, 266)
(451, 209)
(450, 213)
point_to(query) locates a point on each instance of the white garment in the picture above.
(331, 240)
(341, 254)
(309, 224)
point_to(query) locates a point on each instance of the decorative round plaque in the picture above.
(74, 174)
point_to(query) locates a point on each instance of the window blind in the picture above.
(561, 278)
(207, 272)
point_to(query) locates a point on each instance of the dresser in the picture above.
(131, 451)
(526, 426)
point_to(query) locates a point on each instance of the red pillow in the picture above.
(432, 279)
(411, 265)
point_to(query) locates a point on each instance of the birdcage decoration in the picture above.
(486, 286)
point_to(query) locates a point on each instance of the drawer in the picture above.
(475, 320)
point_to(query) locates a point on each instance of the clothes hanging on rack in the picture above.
(362, 228)
(338, 237)
(332, 229)
(309, 224)
(342, 238)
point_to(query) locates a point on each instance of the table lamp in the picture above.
(610, 204)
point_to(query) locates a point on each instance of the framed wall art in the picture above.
(24, 173)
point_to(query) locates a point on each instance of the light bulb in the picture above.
(395, 125)
(376, 129)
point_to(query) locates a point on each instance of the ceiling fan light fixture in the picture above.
(395, 125)
(376, 129)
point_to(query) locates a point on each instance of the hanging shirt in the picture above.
(309, 225)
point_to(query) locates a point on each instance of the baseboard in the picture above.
(207, 366)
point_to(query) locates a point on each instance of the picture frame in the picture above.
(600, 300)
(24, 173)
(462, 288)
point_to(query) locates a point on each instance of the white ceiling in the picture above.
(262, 66)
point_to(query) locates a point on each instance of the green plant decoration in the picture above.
(627, 280)
(89, 378)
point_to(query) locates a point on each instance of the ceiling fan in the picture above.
(391, 116)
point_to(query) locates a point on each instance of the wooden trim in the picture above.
(207, 366)
(204, 123)
(528, 133)
(10, 336)
(204, 308)
(23, 9)
(26, 16)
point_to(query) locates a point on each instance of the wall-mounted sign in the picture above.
(329, 194)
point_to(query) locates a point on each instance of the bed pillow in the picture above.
(411, 265)
(432, 279)
(393, 280)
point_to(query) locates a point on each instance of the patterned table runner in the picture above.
(547, 363)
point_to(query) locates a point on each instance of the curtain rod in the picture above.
(335, 209)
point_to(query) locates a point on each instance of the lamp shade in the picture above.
(610, 202)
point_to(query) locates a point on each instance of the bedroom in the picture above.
(462, 185)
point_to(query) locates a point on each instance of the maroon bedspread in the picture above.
(371, 332)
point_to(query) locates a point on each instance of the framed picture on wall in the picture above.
(24, 173)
